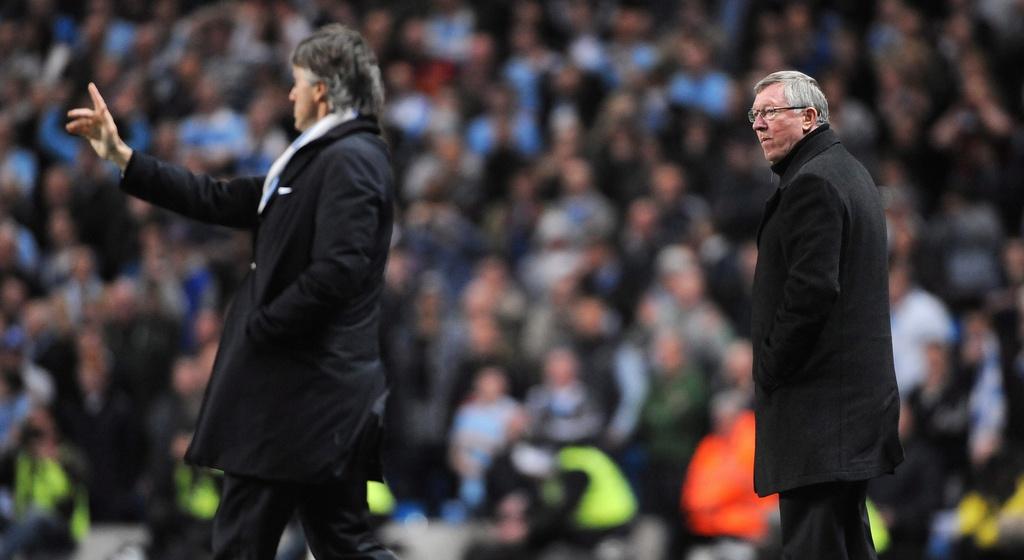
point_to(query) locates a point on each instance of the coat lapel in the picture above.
(309, 151)
(769, 209)
(804, 151)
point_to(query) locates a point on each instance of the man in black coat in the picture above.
(292, 411)
(825, 391)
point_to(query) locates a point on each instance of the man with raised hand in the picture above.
(293, 410)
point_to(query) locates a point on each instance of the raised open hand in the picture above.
(97, 126)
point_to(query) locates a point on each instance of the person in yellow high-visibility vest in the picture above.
(583, 499)
(182, 504)
(989, 520)
(51, 507)
(575, 497)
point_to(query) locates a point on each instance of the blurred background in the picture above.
(568, 293)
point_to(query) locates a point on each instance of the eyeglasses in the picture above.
(768, 113)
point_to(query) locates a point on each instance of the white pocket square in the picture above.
(284, 190)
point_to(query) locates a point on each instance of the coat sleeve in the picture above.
(345, 244)
(200, 197)
(812, 217)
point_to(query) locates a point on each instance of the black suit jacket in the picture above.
(825, 391)
(297, 385)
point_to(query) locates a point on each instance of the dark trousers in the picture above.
(334, 517)
(828, 520)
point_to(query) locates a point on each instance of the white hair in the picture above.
(800, 90)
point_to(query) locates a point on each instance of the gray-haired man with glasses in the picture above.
(825, 391)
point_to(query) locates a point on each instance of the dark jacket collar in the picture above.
(306, 153)
(361, 123)
(809, 146)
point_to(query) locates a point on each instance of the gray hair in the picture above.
(800, 90)
(340, 58)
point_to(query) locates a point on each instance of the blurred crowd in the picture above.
(567, 297)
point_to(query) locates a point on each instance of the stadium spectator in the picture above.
(106, 427)
(917, 319)
(718, 498)
(46, 477)
(563, 409)
(674, 418)
(487, 422)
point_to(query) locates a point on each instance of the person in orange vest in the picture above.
(718, 499)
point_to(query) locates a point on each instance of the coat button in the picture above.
(252, 265)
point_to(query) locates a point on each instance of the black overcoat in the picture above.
(297, 385)
(825, 391)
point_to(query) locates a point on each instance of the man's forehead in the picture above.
(771, 95)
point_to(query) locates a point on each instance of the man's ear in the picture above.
(320, 92)
(808, 119)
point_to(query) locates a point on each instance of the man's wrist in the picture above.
(122, 154)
